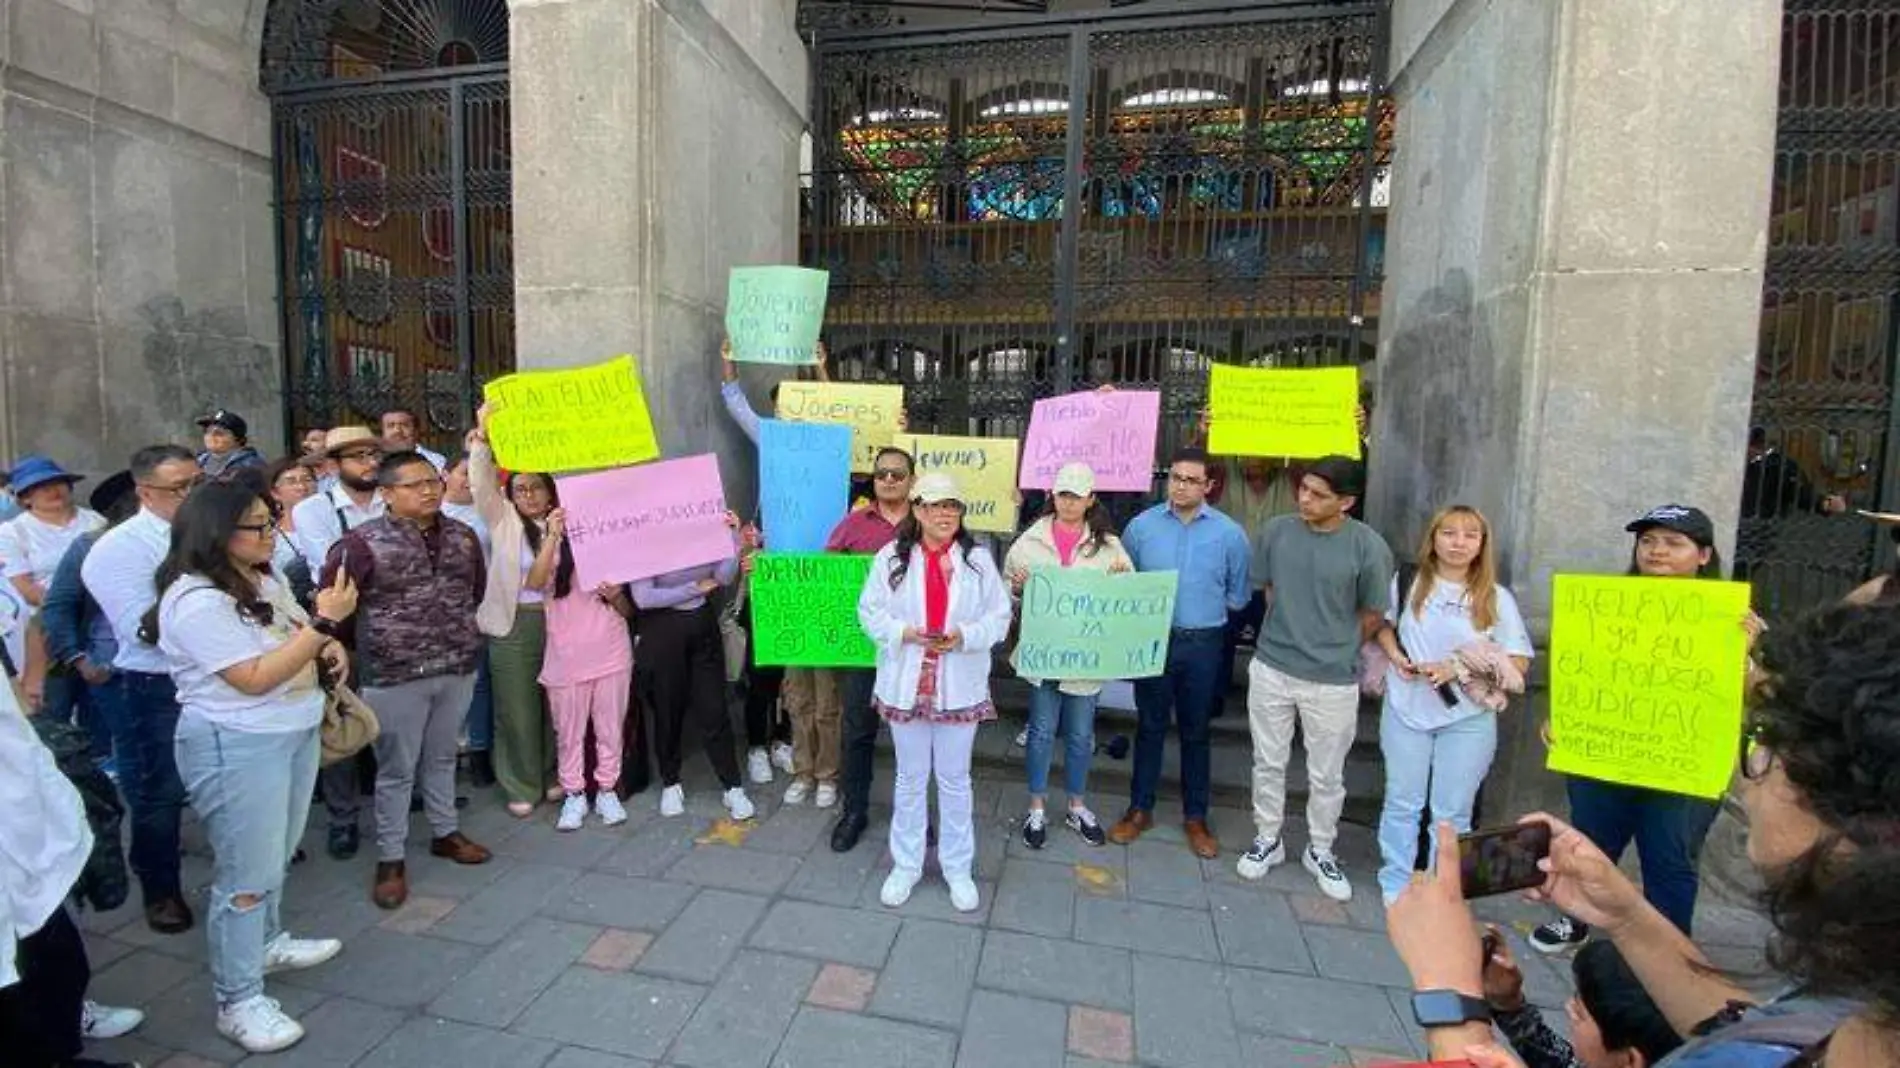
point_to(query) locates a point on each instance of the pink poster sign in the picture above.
(1113, 432)
(636, 522)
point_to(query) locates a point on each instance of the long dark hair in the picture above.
(201, 539)
(1096, 524)
(909, 533)
(534, 531)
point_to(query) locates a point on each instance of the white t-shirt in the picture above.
(528, 596)
(31, 546)
(201, 634)
(1446, 626)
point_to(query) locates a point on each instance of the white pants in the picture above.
(1328, 716)
(924, 748)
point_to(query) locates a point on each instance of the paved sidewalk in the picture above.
(697, 942)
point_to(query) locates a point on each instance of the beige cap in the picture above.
(1076, 479)
(344, 437)
(935, 487)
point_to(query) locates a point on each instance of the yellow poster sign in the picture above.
(1647, 679)
(578, 420)
(872, 413)
(1300, 413)
(985, 470)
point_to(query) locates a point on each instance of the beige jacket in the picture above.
(1036, 547)
(496, 616)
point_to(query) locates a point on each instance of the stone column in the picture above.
(1578, 222)
(655, 146)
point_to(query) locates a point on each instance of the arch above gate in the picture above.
(308, 42)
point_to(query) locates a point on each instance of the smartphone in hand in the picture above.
(1503, 859)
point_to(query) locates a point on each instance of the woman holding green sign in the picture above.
(1074, 531)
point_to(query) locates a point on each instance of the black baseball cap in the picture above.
(1692, 522)
(228, 420)
(1346, 476)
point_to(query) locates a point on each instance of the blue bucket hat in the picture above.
(33, 472)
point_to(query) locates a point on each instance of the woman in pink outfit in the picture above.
(587, 669)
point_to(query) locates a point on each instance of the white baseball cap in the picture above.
(1077, 479)
(935, 487)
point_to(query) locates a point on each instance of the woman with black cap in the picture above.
(227, 444)
(1672, 541)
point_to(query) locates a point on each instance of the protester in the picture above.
(588, 673)
(312, 442)
(1438, 748)
(683, 659)
(1819, 754)
(458, 503)
(934, 605)
(1250, 490)
(33, 542)
(1612, 1022)
(245, 656)
(9, 504)
(1075, 531)
(1186, 535)
(78, 636)
(318, 522)
(420, 578)
(118, 574)
(227, 445)
(402, 433)
(866, 530)
(291, 481)
(1672, 541)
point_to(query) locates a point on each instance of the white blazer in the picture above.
(979, 609)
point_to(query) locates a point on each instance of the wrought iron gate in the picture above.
(396, 276)
(1825, 415)
(1009, 213)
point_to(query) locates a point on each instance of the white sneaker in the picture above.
(1326, 872)
(739, 804)
(797, 792)
(259, 1025)
(1256, 862)
(98, 1021)
(758, 765)
(573, 813)
(608, 807)
(897, 887)
(287, 954)
(827, 794)
(963, 895)
(1022, 738)
(673, 801)
(782, 757)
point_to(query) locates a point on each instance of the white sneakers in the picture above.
(259, 1025)
(963, 895)
(758, 765)
(98, 1021)
(608, 807)
(1258, 860)
(738, 804)
(827, 794)
(673, 801)
(1326, 872)
(782, 757)
(897, 887)
(287, 954)
(797, 792)
(573, 813)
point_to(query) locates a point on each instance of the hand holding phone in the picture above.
(1503, 859)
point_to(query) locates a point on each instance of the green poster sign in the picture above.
(805, 610)
(773, 313)
(1082, 624)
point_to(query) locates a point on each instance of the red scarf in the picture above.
(936, 587)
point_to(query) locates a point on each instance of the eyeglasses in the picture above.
(361, 455)
(1185, 480)
(1757, 758)
(296, 480)
(525, 489)
(420, 485)
(890, 474)
(259, 529)
(176, 489)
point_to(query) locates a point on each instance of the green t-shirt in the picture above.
(1319, 585)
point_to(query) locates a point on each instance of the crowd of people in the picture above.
(198, 620)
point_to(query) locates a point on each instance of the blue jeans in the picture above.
(1184, 693)
(481, 710)
(1074, 714)
(145, 720)
(252, 791)
(1668, 830)
(69, 699)
(1442, 768)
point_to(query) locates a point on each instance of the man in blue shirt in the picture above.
(1209, 552)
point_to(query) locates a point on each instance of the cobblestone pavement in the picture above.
(697, 942)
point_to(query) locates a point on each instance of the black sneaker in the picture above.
(1084, 823)
(1560, 935)
(343, 841)
(1035, 829)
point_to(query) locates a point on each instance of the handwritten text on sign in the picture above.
(1083, 624)
(637, 522)
(872, 413)
(805, 610)
(1647, 677)
(1112, 432)
(773, 313)
(571, 420)
(1304, 413)
(985, 470)
(804, 482)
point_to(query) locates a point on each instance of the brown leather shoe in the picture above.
(1201, 840)
(169, 916)
(1131, 826)
(392, 885)
(455, 846)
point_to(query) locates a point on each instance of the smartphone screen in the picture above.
(1503, 859)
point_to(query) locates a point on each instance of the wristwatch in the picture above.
(1448, 1008)
(329, 628)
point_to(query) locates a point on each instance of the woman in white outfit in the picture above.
(935, 605)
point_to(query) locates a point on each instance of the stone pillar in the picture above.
(655, 146)
(1578, 221)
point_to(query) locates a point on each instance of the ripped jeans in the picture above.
(252, 792)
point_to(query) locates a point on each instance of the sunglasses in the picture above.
(890, 474)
